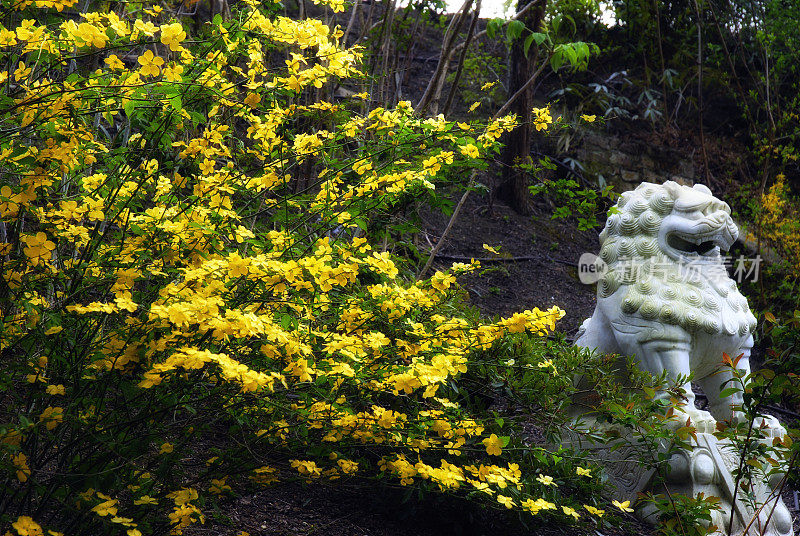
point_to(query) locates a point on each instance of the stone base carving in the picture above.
(707, 468)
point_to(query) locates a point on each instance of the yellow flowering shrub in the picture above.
(191, 251)
(779, 222)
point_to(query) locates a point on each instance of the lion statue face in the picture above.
(663, 251)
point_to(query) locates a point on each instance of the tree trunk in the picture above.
(513, 189)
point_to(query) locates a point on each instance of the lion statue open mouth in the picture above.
(665, 296)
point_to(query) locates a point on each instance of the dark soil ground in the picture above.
(536, 265)
(364, 510)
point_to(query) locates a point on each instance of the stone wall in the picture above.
(625, 163)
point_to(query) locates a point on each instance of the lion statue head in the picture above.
(662, 248)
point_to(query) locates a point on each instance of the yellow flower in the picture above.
(594, 511)
(539, 504)
(305, 467)
(488, 85)
(125, 302)
(145, 499)
(548, 363)
(252, 99)
(218, 486)
(147, 28)
(106, 508)
(494, 445)
(541, 118)
(547, 480)
(474, 106)
(172, 35)
(348, 467)
(306, 143)
(7, 38)
(207, 166)
(150, 64)
(571, 512)
(22, 72)
(442, 281)
(470, 151)
(55, 390)
(52, 416)
(362, 166)
(588, 118)
(114, 62)
(490, 249)
(26, 526)
(166, 448)
(508, 502)
(172, 73)
(581, 471)
(20, 462)
(336, 5)
(183, 496)
(624, 506)
(86, 34)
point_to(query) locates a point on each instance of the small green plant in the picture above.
(680, 515)
(573, 201)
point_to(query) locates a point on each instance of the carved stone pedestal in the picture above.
(708, 468)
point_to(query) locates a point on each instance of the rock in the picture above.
(618, 158)
(686, 169)
(683, 181)
(630, 176)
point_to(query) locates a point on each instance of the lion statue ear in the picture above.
(703, 188)
(673, 188)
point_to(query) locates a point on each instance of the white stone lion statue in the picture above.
(665, 297)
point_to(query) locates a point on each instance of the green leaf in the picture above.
(514, 29)
(753, 463)
(288, 322)
(493, 26)
(129, 107)
(728, 391)
(527, 45)
(176, 103)
(571, 55)
(557, 60)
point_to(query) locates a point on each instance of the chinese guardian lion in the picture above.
(665, 297)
